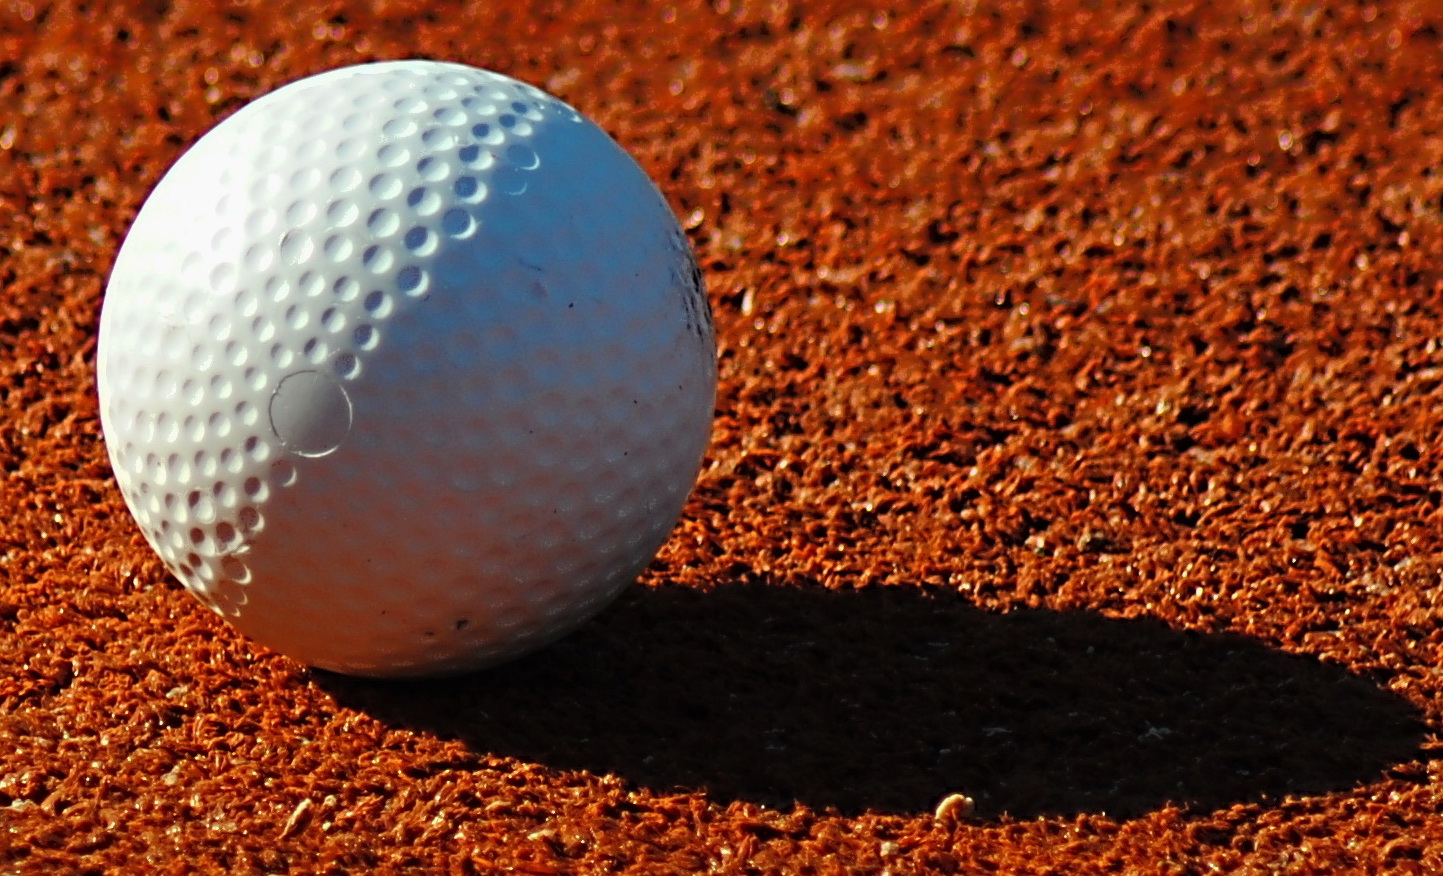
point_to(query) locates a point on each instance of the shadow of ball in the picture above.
(887, 701)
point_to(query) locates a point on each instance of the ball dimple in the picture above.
(267, 186)
(469, 189)
(475, 157)
(247, 302)
(250, 521)
(342, 213)
(258, 259)
(272, 153)
(346, 365)
(398, 129)
(221, 386)
(383, 222)
(458, 223)
(297, 316)
(378, 259)
(346, 288)
(296, 247)
(229, 602)
(310, 284)
(256, 449)
(233, 567)
(488, 134)
(282, 473)
(236, 353)
(339, 247)
(378, 304)
(201, 358)
(192, 268)
(304, 179)
(225, 497)
(194, 306)
(281, 356)
(276, 288)
(424, 200)
(369, 99)
(385, 186)
(345, 179)
(438, 139)
(260, 222)
(223, 279)
(179, 468)
(202, 509)
(166, 428)
(411, 280)
(315, 350)
(449, 115)
(420, 241)
(301, 211)
(511, 180)
(262, 329)
(225, 536)
(519, 127)
(351, 148)
(311, 152)
(393, 155)
(438, 92)
(364, 337)
(523, 157)
(432, 169)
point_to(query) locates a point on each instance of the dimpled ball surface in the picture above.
(405, 369)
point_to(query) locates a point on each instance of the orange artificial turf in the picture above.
(1075, 451)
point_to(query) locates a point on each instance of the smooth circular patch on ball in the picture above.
(310, 413)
